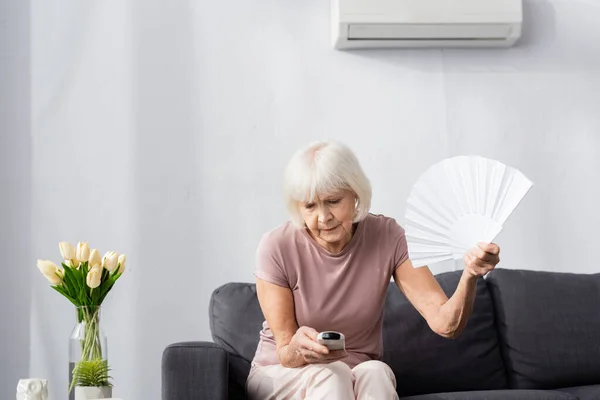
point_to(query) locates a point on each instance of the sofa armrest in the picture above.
(194, 371)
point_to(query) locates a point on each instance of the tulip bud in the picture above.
(95, 258)
(50, 271)
(83, 252)
(122, 261)
(67, 250)
(110, 260)
(94, 276)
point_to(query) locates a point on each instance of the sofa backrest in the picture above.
(236, 319)
(425, 362)
(549, 327)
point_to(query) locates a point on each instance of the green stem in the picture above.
(91, 345)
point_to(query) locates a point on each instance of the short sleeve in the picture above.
(399, 245)
(269, 265)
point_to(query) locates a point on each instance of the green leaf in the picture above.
(110, 282)
(62, 291)
(71, 282)
(81, 295)
(86, 291)
(104, 286)
(106, 283)
(95, 296)
(77, 284)
(84, 269)
(118, 275)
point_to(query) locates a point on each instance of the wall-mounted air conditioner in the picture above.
(425, 23)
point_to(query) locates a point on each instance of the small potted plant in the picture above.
(91, 380)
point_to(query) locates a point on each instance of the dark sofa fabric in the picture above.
(425, 362)
(532, 335)
(497, 395)
(549, 326)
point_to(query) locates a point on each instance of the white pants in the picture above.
(372, 380)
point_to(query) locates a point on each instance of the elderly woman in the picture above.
(328, 270)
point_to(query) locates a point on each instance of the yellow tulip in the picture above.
(67, 250)
(50, 271)
(95, 258)
(94, 276)
(122, 262)
(110, 260)
(83, 252)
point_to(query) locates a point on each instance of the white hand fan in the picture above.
(457, 203)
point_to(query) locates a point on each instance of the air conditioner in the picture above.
(425, 23)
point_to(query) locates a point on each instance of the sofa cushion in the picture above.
(496, 395)
(236, 319)
(549, 327)
(591, 392)
(425, 362)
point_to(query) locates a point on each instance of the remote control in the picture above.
(332, 340)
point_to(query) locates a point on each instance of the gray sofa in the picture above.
(531, 335)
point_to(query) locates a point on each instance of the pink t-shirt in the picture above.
(344, 292)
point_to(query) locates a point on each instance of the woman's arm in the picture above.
(295, 346)
(277, 304)
(446, 316)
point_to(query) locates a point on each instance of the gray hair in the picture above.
(321, 169)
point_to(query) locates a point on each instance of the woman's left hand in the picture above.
(482, 259)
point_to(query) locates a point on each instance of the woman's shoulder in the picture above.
(279, 236)
(383, 223)
(271, 262)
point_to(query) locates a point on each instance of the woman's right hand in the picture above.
(304, 343)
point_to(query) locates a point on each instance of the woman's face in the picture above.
(329, 219)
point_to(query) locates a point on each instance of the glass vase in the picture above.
(87, 341)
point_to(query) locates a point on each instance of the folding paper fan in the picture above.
(457, 203)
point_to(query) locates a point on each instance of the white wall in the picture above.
(15, 198)
(161, 129)
(82, 173)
